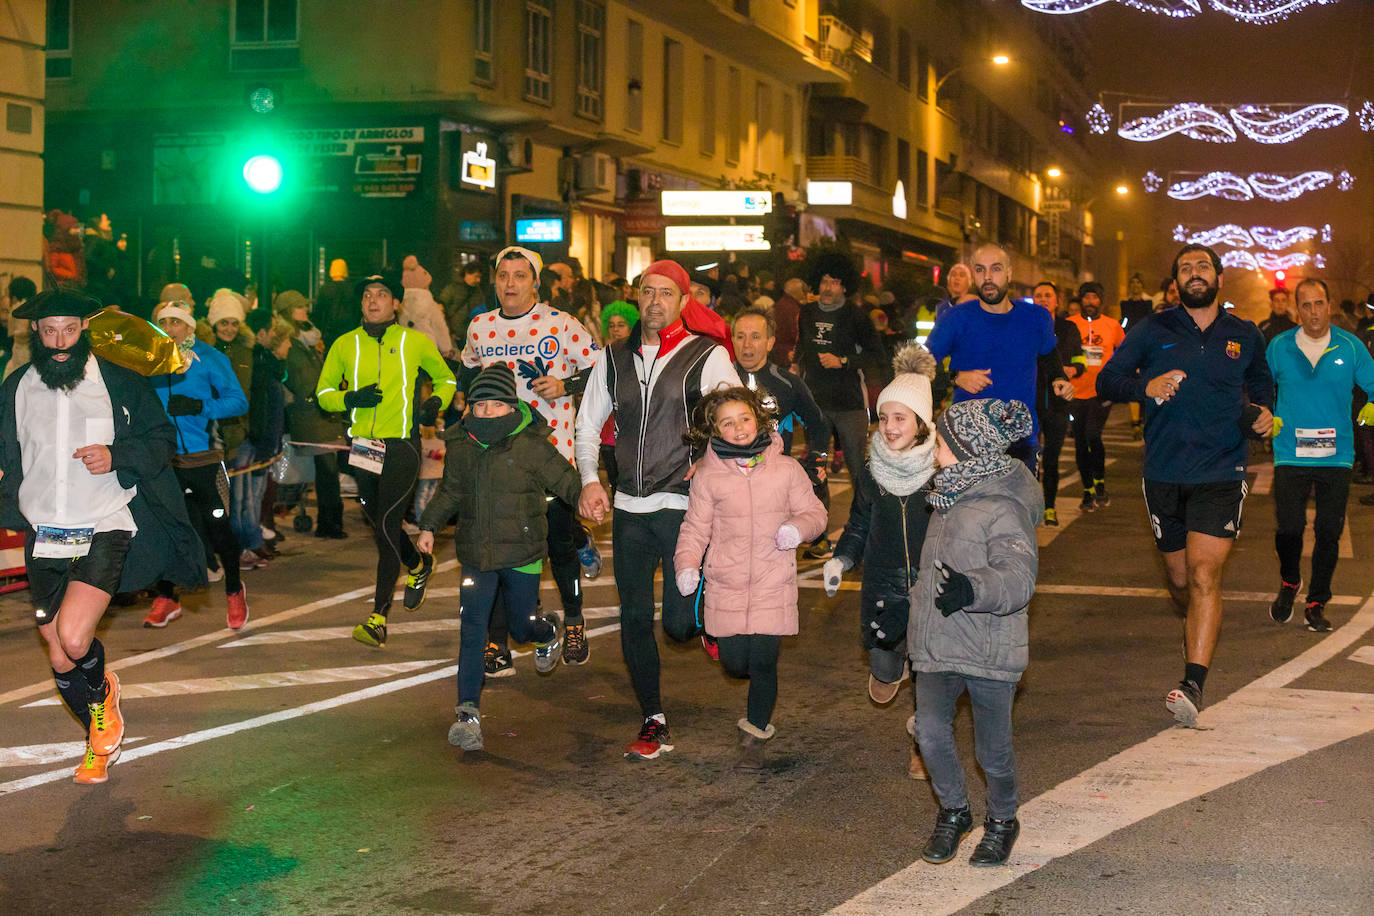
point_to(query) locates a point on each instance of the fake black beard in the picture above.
(1202, 301)
(65, 374)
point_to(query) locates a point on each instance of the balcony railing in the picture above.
(839, 168)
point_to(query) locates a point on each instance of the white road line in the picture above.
(284, 715)
(30, 755)
(1363, 654)
(1259, 726)
(322, 634)
(1131, 592)
(266, 680)
(23, 693)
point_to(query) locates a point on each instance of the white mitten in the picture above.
(787, 538)
(831, 572)
(688, 580)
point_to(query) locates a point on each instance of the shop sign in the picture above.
(715, 238)
(830, 193)
(717, 203)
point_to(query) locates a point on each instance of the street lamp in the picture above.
(1000, 60)
(1054, 171)
(1123, 190)
(263, 173)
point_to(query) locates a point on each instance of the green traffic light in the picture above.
(263, 173)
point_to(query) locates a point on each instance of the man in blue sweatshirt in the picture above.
(1316, 367)
(1201, 373)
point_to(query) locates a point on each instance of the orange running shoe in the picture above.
(107, 723)
(94, 768)
(237, 614)
(164, 611)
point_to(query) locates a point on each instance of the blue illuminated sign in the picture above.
(546, 229)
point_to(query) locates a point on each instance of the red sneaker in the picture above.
(652, 741)
(708, 643)
(237, 614)
(107, 722)
(164, 611)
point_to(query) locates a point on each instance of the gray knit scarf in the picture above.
(953, 482)
(901, 473)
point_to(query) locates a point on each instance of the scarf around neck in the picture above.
(726, 450)
(901, 473)
(953, 482)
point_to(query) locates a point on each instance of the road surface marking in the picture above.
(29, 755)
(269, 679)
(321, 634)
(23, 693)
(808, 580)
(284, 715)
(1363, 654)
(1260, 726)
(1264, 479)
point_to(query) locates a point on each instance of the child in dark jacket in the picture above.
(887, 525)
(498, 466)
(969, 614)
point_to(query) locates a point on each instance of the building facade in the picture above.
(22, 39)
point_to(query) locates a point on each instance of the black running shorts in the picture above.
(100, 568)
(1207, 508)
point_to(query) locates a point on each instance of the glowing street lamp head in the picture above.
(1054, 171)
(1001, 60)
(1123, 190)
(263, 173)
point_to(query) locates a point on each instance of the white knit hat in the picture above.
(912, 391)
(174, 310)
(226, 303)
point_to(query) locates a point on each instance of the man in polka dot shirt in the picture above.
(550, 353)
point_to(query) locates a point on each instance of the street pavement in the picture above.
(286, 768)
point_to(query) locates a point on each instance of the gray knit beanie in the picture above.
(983, 426)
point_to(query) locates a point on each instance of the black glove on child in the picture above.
(179, 405)
(369, 396)
(429, 411)
(889, 626)
(953, 592)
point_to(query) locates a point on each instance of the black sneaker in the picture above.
(416, 582)
(497, 661)
(653, 740)
(995, 846)
(951, 826)
(1088, 504)
(575, 648)
(1316, 620)
(1281, 611)
(1100, 494)
(1184, 701)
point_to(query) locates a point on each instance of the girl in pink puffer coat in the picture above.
(750, 507)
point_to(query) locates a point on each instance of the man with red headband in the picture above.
(649, 383)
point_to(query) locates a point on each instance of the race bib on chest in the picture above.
(62, 543)
(1092, 356)
(367, 455)
(1315, 443)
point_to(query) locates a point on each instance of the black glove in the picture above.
(889, 626)
(953, 591)
(429, 411)
(370, 396)
(179, 405)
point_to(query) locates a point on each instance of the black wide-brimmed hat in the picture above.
(57, 303)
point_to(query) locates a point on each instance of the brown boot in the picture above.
(916, 769)
(749, 754)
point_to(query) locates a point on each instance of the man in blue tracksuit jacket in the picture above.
(1316, 366)
(1205, 385)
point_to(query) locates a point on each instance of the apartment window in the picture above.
(904, 58)
(904, 165)
(18, 118)
(733, 133)
(672, 91)
(264, 35)
(59, 57)
(634, 72)
(539, 51)
(787, 128)
(591, 71)
(922, 72)
(708, 106)
(482, 42)
(763, 120)
(742, 7)
(922, 179)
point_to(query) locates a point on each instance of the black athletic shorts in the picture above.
(1207, 508)
(100, 568)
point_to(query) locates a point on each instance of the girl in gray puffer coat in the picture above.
(968, 616)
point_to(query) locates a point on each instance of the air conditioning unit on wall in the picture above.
(595, 172)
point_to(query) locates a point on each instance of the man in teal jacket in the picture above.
(1317, 367)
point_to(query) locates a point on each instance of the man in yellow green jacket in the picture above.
(372, 375)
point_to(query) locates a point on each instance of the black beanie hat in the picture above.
(494, 383)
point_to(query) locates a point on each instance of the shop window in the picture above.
(59, 50)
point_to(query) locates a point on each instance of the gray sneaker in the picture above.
(547, 654)
(467, 731)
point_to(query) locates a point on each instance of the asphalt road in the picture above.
(287, 768)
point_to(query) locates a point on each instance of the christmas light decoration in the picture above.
(1265, 124)
(1099, 122)
(1268, 185)
(1344, 180)
(1319, 262)
(1252, 12)
(1242, 260)
(1277, 239)
(1269, 261)
(1226, 185)
(1228, 234)
(1288, 187)
(1191, 119)
(1151, 182)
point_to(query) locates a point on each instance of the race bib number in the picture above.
(62, 543)
(1315, 443)
(1092, 356)
(367, 455)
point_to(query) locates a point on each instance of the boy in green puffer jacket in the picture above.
(498, 466)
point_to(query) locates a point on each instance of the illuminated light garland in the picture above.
(1278, 239)
(1344, 180)
(1242, 260)
(1289, 187)
(1226, 185)
(1263, 124)
(1319, 262)
(1151, 182)
(1099, 121)
(1367, 116)
(1227, 234)
(1193, 120)
(1268, 185)
(1252, 12)
(1268, 261)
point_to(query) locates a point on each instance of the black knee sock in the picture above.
(92, 668)
(1195, 673)
(71, 686)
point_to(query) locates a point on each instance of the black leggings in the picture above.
(207, 506)
(1329, 488)
(1054, 424)
(385, 498)
(566, 537)
(755, 656)
(1089, 416)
